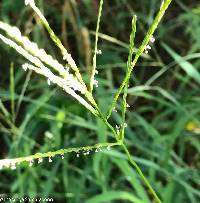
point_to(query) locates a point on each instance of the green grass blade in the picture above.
(185, 65)
(157, 199)
(114, 195)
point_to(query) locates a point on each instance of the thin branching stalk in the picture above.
(12, 163)
(130, 56)
(95, 48)
(145, 42)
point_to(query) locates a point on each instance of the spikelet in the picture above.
(31, 47)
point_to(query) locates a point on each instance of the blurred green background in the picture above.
(163, 121)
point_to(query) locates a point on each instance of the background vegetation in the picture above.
(163, 119)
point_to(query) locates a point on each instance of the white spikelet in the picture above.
(24, 67)
(48, 81)
(29, 2)
(96, 83)
(99, 52)
(13, 166)
(40, 160)
(50, 160)
(152, 39)
(30, 163)
(108, 148)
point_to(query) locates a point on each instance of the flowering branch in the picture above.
(149, 37)
(12, 163)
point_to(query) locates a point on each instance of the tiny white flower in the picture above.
(148, 47)
(96, 83)
(13, 166)
(152, 39)
(24, 67)
(117, 127)
(27, 2)
(62, 156)
(99, 52)
(108, 148)
(48, 81)
(30, 163)
(40, 160)
(50, 160)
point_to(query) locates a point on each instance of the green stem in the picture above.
(100, 115)
(141, 174)
(130, 56)
(95, 48)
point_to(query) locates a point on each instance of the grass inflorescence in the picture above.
(70, 79)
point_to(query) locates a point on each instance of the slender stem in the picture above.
(146, 40)
(95, 48)
(141, 174)
(100, 115)
(131, 47)
(12, 91)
